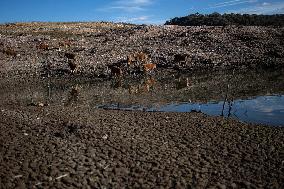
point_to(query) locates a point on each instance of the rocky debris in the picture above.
(98, 45)
(38, 104)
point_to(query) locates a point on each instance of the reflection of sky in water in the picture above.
(263, 109)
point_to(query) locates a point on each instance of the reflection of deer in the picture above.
(142, 88)
(73, 66)
(73, 95)
(117, 83)
(182, 83)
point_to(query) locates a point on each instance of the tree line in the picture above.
(216, 19)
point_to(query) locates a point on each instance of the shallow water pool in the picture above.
(254, 97)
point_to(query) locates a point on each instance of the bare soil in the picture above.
(58, 146)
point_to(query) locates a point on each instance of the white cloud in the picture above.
(128, 5)
(130, 11)
(265, 4)
(263, 8)
(227, 2)
(134, 2)
(140, 20)
(232, 3)
(133, 19)
(126, 8)
(266, 104)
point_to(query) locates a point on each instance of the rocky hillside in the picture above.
(40, 48)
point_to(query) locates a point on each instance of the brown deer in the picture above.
(149, 67)
(70, 56)
(115, 71)
(180, 57)
(10, 52)
(143, 57)
(43, 46)
(130, 59)
(137, 57)
(71, 62)
(65, 43)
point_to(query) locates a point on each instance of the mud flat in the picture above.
(54, 135)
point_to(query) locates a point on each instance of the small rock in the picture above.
(221, 186)
(40, 104)
(233, 185)
(65, 175)
(105, 137)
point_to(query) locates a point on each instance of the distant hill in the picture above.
(216, 19)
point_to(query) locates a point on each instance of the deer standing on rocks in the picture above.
(65, 43)
(137, 57)
(149, 67)
(180, 57)
(43, 46)
(10, 52)
(115, 71)
(71, 62)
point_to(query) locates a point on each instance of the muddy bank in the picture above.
(161, 88)
(69, 143)
(71, 147)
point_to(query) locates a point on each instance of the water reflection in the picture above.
(73, 95)
(145, 86)
(262, 109)
(246, 96)
(183, 82)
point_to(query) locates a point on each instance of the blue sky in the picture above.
(133, 11)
